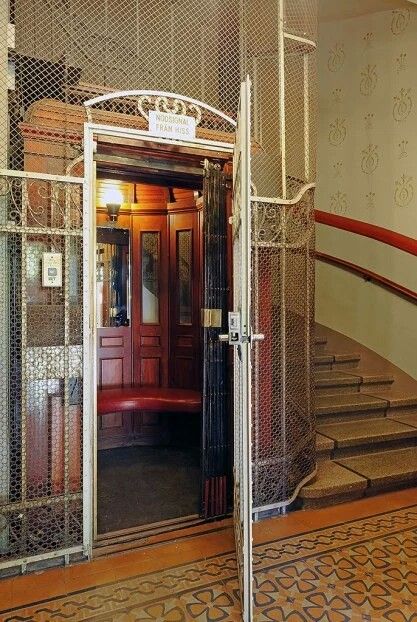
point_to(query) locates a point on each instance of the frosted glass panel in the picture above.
(150, 278)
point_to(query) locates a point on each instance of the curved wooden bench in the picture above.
(155, 399)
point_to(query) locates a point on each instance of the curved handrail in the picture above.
(368, 275)
(147, 93)
(392, 238)
(278, 201)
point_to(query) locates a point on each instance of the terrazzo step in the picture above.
(353, 438)
(332, 484)
(348, 407)
(320, 343)
(333, 361)
(399, 403)
(335, 382)
(386, 470)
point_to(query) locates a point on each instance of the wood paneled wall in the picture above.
(164, 352)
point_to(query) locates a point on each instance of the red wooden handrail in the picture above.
(397, 240)
(368, 275)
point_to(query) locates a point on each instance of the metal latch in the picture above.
(234, 336)
(211, 318)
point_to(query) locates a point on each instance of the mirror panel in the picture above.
(113, 277)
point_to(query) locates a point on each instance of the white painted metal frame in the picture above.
(66, 552)
(89, 284)
(242, 352)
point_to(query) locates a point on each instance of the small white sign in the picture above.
(168, 125)
(52, 270)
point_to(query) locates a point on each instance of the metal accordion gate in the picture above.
(41, 383)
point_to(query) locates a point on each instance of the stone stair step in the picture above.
(353, 438)
(331, 361)
(320, 343)
(399, 403)
(386, 470)
(333, 382)
(324, 447)
(408, 418)
(332, 484)
(348, 407)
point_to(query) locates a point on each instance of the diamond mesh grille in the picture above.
(55, 55)
(282, 387)
(41, 368)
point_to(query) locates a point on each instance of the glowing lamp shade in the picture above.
(113, 195)
(113, 199)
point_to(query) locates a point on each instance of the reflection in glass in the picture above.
(150, 277)
(112, 277)
(184, 263)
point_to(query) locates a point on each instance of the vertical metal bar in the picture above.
(23, 385)
(281, 97)
(66, 415)
(256, 107)
(4, 289)
(306, 118)
(89, 362)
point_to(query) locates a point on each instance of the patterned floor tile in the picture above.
(362, 571)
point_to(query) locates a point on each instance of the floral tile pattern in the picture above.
(363, 571)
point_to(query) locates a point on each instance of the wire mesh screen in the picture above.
(280, 56)
(56, 54)
(41, 366)
(282, 388)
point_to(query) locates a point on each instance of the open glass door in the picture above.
(240, 337)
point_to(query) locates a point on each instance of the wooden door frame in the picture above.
(198, 146)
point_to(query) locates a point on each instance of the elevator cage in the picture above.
(55, 55)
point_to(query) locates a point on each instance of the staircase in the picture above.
(366, 429)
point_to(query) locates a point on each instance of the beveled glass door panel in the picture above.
(150, 264)
(184, 300)
(150, 300)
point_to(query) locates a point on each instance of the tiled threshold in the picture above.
(51, 584)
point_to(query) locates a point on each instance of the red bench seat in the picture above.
(156, 399)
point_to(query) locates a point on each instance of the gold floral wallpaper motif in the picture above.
(370, 200)
(403, 149)
(338, 132)
(370, 159)
(368, 119)
(336, 58)
(338, 168)
(403, 104)
(404, 191)
(338, 203)
(401, 62)
(369, 80)
(400, 21)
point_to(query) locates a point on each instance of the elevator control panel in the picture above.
(52, 270)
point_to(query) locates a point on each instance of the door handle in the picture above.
(258, 337)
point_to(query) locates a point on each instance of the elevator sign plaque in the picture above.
(168, 125)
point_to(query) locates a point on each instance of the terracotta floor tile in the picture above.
(37, 586)
(5, 595)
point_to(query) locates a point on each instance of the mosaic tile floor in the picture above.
(364, 570)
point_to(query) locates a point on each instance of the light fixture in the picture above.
(114, 199)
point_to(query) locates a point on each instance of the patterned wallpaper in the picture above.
(367, 161)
